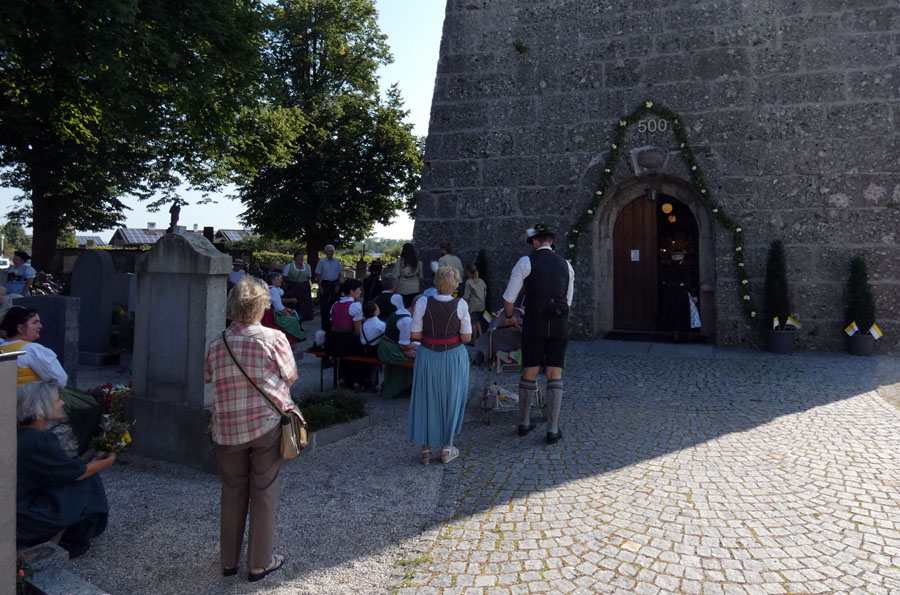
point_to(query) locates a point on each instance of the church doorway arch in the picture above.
(657, 237)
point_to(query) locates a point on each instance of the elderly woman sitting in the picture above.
(286, 318)
(55, 493)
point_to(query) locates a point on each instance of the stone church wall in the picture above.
(792, 110)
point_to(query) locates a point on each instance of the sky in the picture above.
(414, 30)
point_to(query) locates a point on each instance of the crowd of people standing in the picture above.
(251, 367)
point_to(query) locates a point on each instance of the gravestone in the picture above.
(180, 308)
(7, 472)
(92, 281)
(59, 315)
(123, 286)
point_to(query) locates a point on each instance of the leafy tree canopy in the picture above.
(14, 238)
(357, 162)
(100, 99)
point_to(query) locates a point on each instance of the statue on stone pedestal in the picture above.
(174, 211)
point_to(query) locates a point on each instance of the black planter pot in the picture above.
(780, 341)
(860, 344)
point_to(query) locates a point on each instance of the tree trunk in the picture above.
(46, 226)
(312, 252)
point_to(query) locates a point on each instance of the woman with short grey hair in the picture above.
(55, 493)
(246, 429)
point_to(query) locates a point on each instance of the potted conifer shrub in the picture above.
(859, 309)
(779, 334)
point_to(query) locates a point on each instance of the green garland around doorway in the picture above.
(583, 223)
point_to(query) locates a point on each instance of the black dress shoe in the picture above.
(554, 438)
(229, 571)
(524, 430)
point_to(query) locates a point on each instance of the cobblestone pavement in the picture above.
(694, 470)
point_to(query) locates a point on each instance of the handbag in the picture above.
(294, 435)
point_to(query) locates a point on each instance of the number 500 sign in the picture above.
(657, 125)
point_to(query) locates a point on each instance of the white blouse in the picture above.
(275, 294)
(43, 361)
(462, 310)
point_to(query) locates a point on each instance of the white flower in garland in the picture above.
(715, 210)
(649, 104)
(682, 144)
(590, 212)
(607, 170)
(738, 230)
(752, 314)
(622, 123)
(747, 297)
(571, 245)
(738, 249)
(598, 193)
(703, 191)
(741, 264)
(744, 281)
(693, 168)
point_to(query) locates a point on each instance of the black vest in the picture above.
(547, 284)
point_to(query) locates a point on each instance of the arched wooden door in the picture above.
(635, 292)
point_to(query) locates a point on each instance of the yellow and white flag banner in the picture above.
(851, 329)
(876, 332)
(791, 321)
(487, 316)
(775, 324)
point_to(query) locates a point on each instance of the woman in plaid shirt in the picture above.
(246, 429)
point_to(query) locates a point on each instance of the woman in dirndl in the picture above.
(397, 348)
(441, 373)
(296, 280)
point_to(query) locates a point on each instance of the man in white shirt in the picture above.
(548, 280)
(328, 274)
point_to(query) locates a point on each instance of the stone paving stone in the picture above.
(740, 472)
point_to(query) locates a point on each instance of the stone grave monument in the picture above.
(92, 281)
(180, 308)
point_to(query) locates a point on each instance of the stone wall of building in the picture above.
(792, 110)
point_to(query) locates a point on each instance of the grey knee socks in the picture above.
(554, 402)
(527, 388)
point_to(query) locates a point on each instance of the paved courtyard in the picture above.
(682, 470)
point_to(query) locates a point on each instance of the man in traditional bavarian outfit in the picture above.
(548, 280)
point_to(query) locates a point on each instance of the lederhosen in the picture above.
(545, 327)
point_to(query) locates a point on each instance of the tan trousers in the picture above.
(249, 475)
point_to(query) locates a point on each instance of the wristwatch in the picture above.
(508, 316)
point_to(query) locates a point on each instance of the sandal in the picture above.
(276, 563)
(426, 456)
(229, 571)
(448, 453)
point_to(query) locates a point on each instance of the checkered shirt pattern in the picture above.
(239, 413)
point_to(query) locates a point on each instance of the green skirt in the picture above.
(396, 380)
(84, 415)
(290, 324)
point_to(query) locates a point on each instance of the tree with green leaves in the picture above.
(14, 238)
(357, 162)
(103, 99)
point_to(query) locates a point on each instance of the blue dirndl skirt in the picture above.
(439, 391)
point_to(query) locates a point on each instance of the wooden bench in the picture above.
(324, 357)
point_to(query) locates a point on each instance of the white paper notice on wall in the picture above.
(635, 256)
